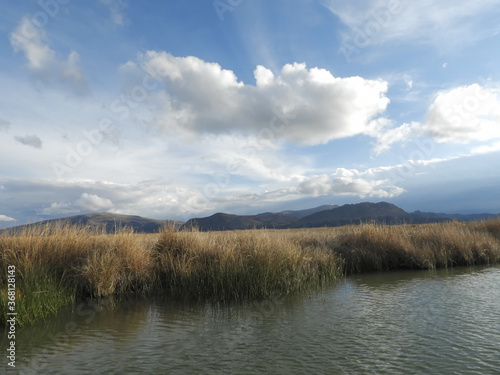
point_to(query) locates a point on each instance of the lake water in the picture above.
(442, 322)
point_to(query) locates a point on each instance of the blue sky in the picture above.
(171, 109)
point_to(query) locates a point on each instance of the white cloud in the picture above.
(387, 136)
(30, 140)
(93, 202)
(464, 114)
(486, 149)
(349, 182)
(201, 97)
(42, 60)
(6, 218)
(59, 209)
(441, 23)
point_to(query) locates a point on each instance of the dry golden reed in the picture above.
(56, 264)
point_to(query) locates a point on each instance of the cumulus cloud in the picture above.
(349, 182)
(59, 209)
(30, 140)
(464, 114)
(86, 202)
(442, 23)
(6, 218)
(93, 202)
(43, 62)
(314, 106)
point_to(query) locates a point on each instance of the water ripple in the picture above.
(445, 322)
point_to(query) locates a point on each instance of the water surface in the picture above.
(440, 322)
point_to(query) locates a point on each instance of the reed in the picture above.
(372, 247)
(240, 264)
(58, 264)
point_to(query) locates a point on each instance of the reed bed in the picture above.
(56, 265)
(240, 264)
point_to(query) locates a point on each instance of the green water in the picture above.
(443, 322)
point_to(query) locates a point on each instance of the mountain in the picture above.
(222, 221)
(301, 213)
(275, 220)
(382, 212)
(110, 221)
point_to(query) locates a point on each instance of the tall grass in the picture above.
(240, 265)
(56, 265)
(380, 248)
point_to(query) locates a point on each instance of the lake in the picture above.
(425, 322)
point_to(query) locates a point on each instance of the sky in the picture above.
(180, 109)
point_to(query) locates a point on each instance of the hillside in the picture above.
(222, 221)
(110, 221)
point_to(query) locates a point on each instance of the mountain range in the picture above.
(322, 216)
(328, 216)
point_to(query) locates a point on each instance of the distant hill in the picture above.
(110, 221)
(459, 217)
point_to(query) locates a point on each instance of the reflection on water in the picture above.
(444, 322)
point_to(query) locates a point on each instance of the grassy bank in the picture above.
(55, 265)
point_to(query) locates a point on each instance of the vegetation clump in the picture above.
(57, 264)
